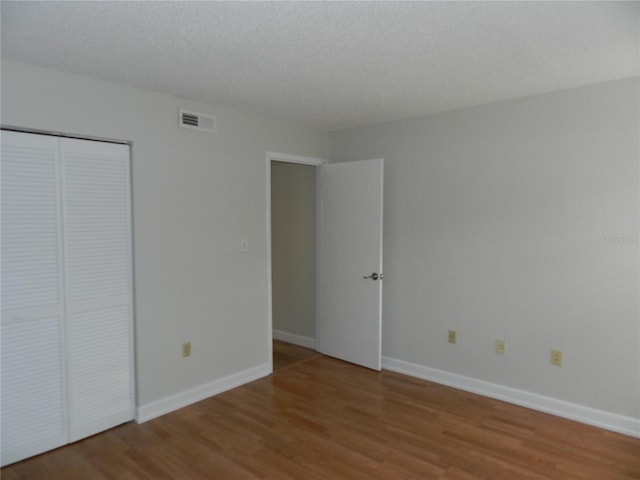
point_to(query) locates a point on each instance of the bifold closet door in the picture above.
(99, 309)
(33, 409)
(67, 301)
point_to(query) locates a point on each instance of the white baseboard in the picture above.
(295, 339)
(165, 405)
(591, 416)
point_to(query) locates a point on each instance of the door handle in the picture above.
(374, 276)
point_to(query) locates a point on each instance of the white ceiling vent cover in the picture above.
(197, 121)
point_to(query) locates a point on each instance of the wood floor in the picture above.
(287, 354)
(321, 418)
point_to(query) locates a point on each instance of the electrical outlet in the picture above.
(186, 349)
(453, 336)
(556, 358)
(501, 347)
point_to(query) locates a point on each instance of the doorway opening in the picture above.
(292, 231)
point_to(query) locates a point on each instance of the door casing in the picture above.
(315, 162)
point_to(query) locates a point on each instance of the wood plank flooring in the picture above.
(321, 418)
(287, 354)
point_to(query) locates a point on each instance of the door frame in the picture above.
(301, 160)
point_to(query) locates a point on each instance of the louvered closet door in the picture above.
(97, 237)
(32, 413)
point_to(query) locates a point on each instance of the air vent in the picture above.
(197, 121)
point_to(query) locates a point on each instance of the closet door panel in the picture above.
(97, 226)
(33, 399)
(33, 402)
(30, 215)
(102, 375)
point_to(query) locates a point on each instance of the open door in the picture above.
(350, 290)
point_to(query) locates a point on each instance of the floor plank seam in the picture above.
(298, 363)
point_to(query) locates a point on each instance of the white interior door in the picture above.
(351, 199)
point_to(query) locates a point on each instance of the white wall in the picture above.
(293, 246)
(194, 195)
(516, 221)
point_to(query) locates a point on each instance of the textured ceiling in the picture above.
(332, 65)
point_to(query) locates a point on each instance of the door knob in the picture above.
(374, 276)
